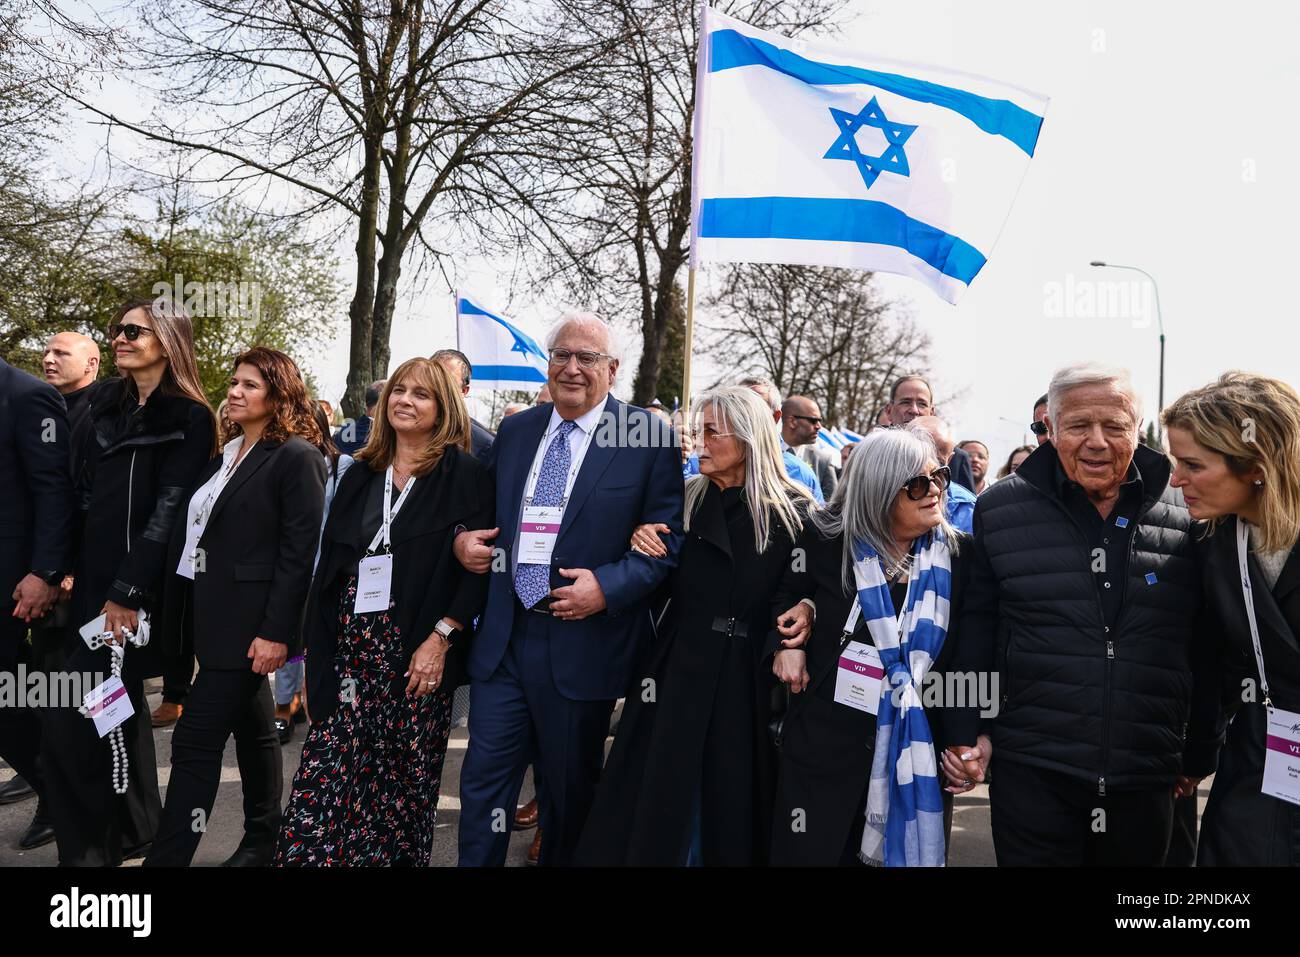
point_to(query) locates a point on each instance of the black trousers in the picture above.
(221, 703)
(180, 672)
(92, 824)
(1182, 844)
(1044, 818)
(20, 728)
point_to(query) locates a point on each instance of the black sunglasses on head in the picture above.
(1038, 428)
(918, 487)
(130, 329)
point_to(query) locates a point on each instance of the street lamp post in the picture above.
(1160, 324)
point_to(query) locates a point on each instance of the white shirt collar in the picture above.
(587, 422)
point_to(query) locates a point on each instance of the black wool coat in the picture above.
(695, 720)
(428, 582)
(827, 748)
(1242, 826)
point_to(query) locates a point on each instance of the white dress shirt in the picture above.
(585, 426)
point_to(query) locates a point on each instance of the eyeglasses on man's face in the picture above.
(131, 330)
(1038, 428)
(588, 360)
(810, 419)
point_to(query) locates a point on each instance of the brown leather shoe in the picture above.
(526, 816)
(535, 849)
(166, 714)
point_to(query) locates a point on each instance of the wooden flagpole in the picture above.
(690, 339)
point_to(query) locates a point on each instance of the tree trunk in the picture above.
(361, 309)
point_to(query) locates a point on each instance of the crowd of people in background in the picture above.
(1106, 623)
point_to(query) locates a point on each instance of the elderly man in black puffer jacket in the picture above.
(1085, 599)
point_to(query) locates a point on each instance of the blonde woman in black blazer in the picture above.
(242, 565)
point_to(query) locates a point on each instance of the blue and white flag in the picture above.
(502, 354)
(812, 154)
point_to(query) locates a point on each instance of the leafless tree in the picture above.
(825, 333)
(623, 241)
(409, 122)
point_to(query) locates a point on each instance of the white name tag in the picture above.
(858, 677)
(1282, 756)
(538, 529)
(108, 705)
(374, 584)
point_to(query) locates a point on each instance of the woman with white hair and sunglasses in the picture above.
(692, 771)
(859, 772)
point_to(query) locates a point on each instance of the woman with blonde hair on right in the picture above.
(1236, 445)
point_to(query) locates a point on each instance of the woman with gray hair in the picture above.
(859, 772)
(692, 771)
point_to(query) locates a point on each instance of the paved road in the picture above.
(971, 843)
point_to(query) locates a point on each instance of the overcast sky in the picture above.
(1171, 144)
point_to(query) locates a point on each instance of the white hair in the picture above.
(769, 491)
(614, 344)
(766, 388)
(862, 508)
(1092, 373)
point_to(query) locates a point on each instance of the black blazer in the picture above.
(36, 504)
(1277, 612)
(255, 556)
(428, 582)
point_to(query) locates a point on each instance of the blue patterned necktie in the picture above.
(533, 582)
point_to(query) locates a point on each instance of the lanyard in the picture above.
(536, 472)
(1250, 610)
(222, 478)
(389, 513)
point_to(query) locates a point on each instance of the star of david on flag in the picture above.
(919, 177)
(893, 159)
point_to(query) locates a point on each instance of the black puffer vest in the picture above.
(1109, 706)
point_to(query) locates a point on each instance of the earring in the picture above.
(1259, 481)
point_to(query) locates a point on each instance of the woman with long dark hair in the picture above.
(242, 564)
(151, 433)
(386, 632)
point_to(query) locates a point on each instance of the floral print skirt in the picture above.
(366, 792)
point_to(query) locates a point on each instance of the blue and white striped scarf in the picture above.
(904, 801)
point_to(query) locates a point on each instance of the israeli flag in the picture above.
(811, 154)
(502, 354)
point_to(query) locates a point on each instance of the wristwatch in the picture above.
(50, 578)
(445, 630)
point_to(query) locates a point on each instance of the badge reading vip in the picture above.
(892, 160)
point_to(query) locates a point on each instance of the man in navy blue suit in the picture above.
(574, 478)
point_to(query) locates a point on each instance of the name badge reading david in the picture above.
(374, 584)
(1282, 756)
(538, 530)
(858, 677)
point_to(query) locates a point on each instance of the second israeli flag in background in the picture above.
(811, 154)
(502, 354)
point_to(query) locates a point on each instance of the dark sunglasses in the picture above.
(918, 487)
(129, 329)
(1038, 428)
(814, 420)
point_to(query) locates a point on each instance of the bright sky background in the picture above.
(1170, 143)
